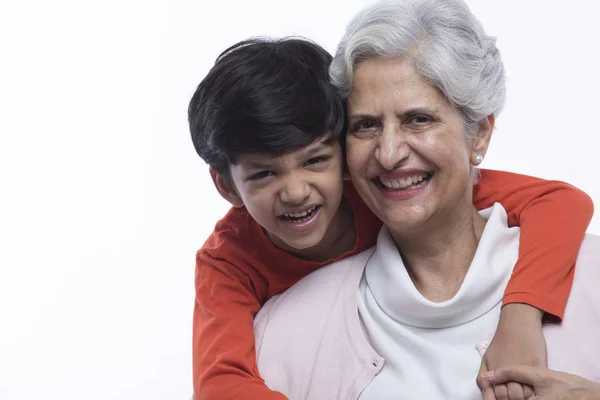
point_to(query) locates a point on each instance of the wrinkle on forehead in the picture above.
(382, 83)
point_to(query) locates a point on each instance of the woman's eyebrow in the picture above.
(408, 111)
(419, 110)
(363, 116)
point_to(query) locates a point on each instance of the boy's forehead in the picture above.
(251, 160)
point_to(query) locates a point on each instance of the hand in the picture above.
(518, 341)
(547, 384)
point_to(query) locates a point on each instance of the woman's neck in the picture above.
(438, 256)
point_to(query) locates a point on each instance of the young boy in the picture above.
(271, 127)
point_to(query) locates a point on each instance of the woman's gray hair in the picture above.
(444, 42)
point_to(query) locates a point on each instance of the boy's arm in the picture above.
(224, 356)
(554, 217)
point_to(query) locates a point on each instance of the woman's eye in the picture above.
(365, 125)
(419, 119)
(261, 175)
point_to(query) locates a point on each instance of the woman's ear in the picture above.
(482, 139)
(226, 189)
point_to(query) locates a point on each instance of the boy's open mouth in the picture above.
(301, 216)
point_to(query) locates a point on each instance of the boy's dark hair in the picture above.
(264, 96)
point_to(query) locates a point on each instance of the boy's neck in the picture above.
(339, 238)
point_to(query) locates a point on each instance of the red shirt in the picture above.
(238, 269)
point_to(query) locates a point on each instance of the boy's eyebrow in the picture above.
(326, 142)
(257, 165)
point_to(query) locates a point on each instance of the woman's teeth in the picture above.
(404, 183)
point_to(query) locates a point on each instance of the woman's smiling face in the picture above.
(407, 151)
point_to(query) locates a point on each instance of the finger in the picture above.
(515, 391)
(488, 394)
(521, 373)
(483, 384)
(487, 389)
(501, 392)
(528, 391)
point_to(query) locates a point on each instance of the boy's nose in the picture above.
(295, 191)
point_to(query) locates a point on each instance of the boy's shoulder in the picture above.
(234, 252)
(238, 243)
(237, 229)
(238, 232)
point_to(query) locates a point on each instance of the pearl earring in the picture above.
(478, 159)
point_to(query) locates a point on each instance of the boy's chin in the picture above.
(305, 243)
(296, 245)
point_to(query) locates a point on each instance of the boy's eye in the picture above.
(260, 175)
(317, 160)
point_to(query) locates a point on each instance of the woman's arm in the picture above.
(224, 356)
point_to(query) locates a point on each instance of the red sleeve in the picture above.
(224, 355)
(553, 217)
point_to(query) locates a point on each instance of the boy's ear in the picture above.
(482, 139)
(226, 189)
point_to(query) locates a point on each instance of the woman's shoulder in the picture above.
(303, 332)
(312, 300)
(321, 286)
(579, 330)
(590, 247)
(587, 269)
(588, 260)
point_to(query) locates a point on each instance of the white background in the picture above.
(103, 201)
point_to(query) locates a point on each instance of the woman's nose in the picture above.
(392, 149)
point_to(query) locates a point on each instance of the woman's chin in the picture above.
(405, 218)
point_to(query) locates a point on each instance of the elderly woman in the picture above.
(412, 317)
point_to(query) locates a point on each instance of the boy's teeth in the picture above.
(402, 183)
(301, 214)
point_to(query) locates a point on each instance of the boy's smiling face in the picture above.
(294, 196)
